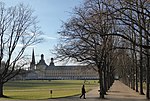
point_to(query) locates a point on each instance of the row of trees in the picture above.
(113, 36)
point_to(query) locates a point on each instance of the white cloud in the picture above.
(21, 45)
(48, 37)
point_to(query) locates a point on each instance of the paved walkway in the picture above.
(121, 92)
(118, 92)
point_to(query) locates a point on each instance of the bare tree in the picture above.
(87, 34)
(81, 39)
(17, 27)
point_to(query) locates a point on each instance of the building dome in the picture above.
(41, 64)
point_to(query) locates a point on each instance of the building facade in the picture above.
(51, 72)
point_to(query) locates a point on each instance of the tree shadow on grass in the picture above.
(4, 96)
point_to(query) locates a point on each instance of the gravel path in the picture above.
(121, 92)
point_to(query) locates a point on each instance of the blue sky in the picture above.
(50, 15)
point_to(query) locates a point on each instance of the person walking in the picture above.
(83, 92)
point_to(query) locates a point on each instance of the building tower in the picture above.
(52, 62)
(32, 63)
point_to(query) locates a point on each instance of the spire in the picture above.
(33, 57)
(32, 64)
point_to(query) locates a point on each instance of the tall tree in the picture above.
(81, 38)
(87, 33)
(17, 28)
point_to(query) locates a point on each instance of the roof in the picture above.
(64, 67)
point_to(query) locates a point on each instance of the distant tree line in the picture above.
(114, 37)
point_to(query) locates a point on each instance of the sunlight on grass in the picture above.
(34, 89)
(41, 94)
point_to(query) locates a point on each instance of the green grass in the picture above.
(38, 89)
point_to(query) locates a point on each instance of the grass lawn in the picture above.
(40, 89)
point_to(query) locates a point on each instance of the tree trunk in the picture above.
(136, 80)
(105, 79)
(147, 72)
(108, 78)
(141, 64)
(1, 89)
(133, 69)
(101, 84)
(133, 78)
(136, 75)
(147, 83)
(147, 66)
(141, 72)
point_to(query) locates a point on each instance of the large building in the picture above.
(41, 70)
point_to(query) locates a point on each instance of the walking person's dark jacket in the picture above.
(83, 92)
